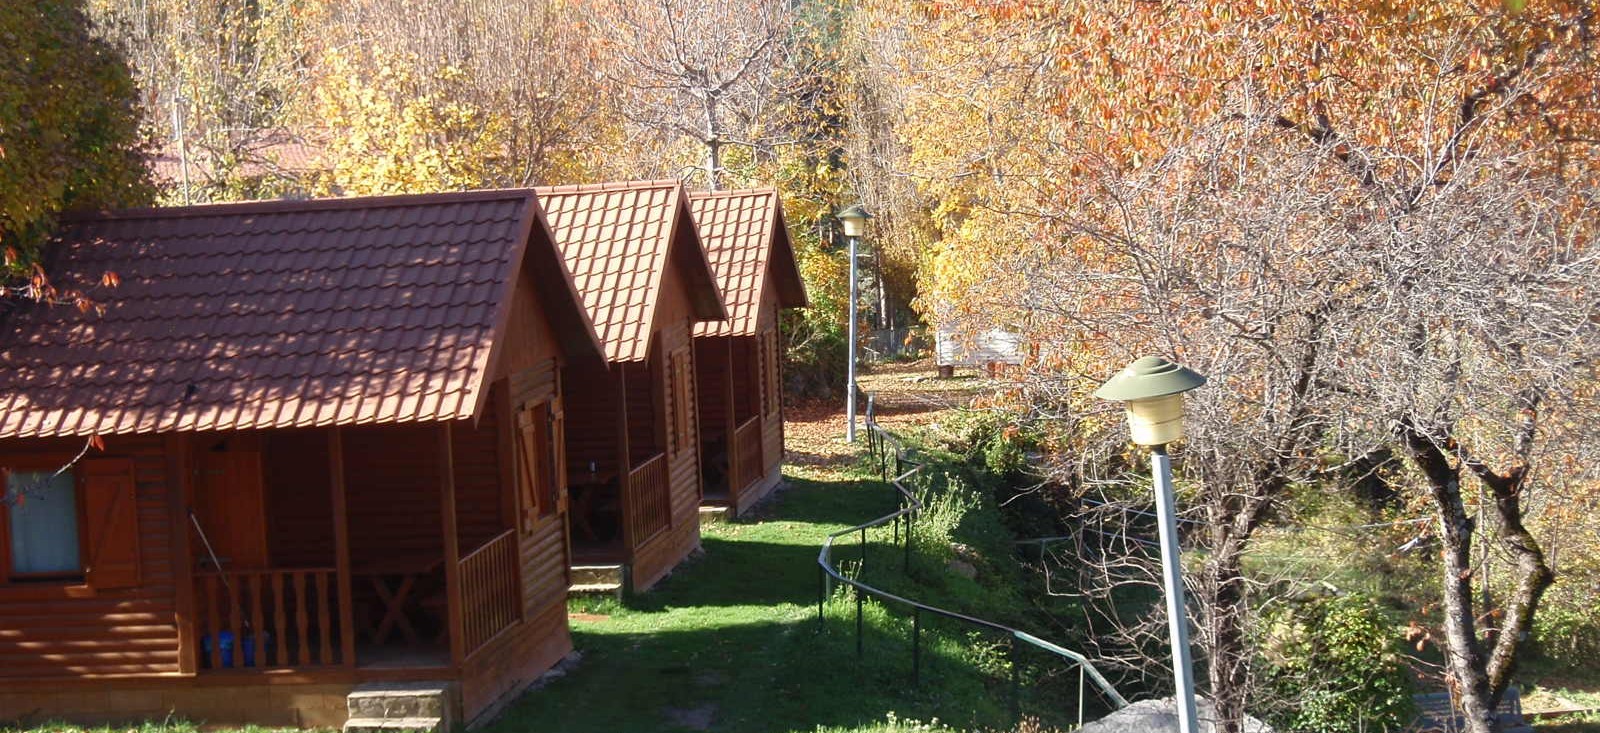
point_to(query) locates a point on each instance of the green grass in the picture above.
(166, 726)
(732, 641)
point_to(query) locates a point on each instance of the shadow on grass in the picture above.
(732, 643)
(760, 678)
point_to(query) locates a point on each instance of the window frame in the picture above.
(41, 463)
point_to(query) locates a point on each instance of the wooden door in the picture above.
(230, 505)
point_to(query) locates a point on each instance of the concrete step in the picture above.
(401, 706)
(714, 515)
(395, 725)
(583, 575)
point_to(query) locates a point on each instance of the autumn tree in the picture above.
(69, 133)
(219, 81)
(1438, 157)
(706, 74)
(422, 96)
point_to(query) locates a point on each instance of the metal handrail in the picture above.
(880, 441)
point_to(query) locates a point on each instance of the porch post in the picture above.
(341, 548)
(730, 418)
(624, 461)
(452, 549)
(182, 478)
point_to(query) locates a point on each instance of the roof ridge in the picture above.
(283, 206)
(609, 186)
(729, 193)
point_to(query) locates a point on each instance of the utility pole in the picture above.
(178, 134)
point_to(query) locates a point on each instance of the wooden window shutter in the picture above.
(769, 372)
(558, 452)
(532, 467)
(681, 400)
(674, 436)
(112, 522)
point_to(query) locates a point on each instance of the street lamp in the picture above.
(854, 220)
(1151, 389)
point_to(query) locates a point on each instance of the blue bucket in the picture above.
(224, 646)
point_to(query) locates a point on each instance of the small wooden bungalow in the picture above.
(331, 457)
(633, 458)
(737, 360)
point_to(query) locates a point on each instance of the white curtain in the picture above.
(44, 523)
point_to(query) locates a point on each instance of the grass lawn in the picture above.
(731, 642)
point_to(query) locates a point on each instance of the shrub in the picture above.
(1568, 634)
(1335, 665)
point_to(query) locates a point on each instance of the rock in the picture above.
(700, 717)
(1161, 716)
(962, 568)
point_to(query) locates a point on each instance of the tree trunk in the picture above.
(1225, 601)
(1533, 578)
(1464, 655)
(713, 162)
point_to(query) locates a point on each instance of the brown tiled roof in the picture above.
(745, 236)
(617, 239)
(277, 314)
(266, 153)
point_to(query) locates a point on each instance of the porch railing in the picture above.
(747, 458)
(265, 619)
(489, 590)
(648, 503)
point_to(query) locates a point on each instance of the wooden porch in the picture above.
(739, 403)
(282, 585)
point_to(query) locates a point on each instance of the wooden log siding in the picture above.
(648, 502)
(121, 631)
(490, 596)
(748, 466)
(270, 618)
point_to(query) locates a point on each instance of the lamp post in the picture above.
(1151, 389)
(854, 220)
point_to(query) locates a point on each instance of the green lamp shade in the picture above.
(1152, 389)
(854, 219)
(1147, 378)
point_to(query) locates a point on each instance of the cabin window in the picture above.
(537, 459)
(42, 524)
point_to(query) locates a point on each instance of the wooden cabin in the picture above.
(633, 458)
(739, 383)
(331, 457)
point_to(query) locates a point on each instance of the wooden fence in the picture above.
(648, 503)
(490, 593)
(267, 618)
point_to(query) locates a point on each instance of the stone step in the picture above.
(395, 725)
(583, 575)
(399, 700)
(597, 589)
(714, 515)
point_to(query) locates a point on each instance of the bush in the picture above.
(992, 439)
(1334, 664)
(1568, 635)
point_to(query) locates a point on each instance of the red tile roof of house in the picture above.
(280, 314)
(745, 238)
(617, 239)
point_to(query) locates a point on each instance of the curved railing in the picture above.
(890, 452)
